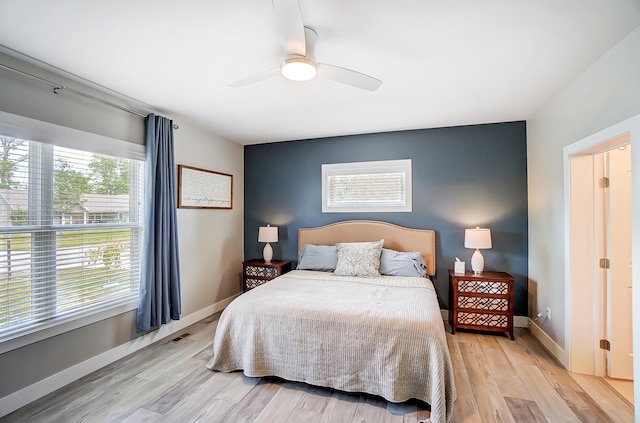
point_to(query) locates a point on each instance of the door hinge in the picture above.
(605, 345)
(604, 182)
(605, 263)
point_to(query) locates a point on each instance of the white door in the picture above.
(619, 306)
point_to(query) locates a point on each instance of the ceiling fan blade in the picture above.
(290, 26)
(256, 78)
(348, 77)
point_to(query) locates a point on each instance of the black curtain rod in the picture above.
(58, 87)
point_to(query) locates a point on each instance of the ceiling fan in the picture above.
(299, 63)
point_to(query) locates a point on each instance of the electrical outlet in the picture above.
(548, 313)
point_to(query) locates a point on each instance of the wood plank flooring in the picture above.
(497, 380)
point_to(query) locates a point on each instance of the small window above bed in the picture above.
(380, 186)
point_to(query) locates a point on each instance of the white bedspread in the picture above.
(383, 336)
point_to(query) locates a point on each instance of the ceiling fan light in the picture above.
(298, 69)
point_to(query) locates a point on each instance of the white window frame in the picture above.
(35, 130)
(367, 168)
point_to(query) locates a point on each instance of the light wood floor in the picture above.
(497, 380)
(624, 388)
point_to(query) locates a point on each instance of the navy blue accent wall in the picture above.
(463, 177)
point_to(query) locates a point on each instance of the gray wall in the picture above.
(462, 177)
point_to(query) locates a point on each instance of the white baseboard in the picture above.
(24, 396)
(551, 345)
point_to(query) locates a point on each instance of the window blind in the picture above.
(70, 232)
(367, 186)
(367, 189)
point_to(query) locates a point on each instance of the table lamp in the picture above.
(478, 238)
(268, 234)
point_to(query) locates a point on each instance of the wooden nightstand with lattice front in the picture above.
(258, 272)
(481, 302)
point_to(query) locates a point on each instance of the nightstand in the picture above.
(258, 272)
(481, 302)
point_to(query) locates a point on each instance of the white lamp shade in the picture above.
(268, 234)
(478, 238)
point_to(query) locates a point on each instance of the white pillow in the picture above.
(359, 258)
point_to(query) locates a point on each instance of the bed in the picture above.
(381, 335)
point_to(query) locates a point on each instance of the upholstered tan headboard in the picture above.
(395, 237)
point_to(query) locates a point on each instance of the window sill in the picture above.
(58, 326)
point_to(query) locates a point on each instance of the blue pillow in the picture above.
(318, 257)
(396, 263)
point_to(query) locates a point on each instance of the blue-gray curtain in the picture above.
(160, 273)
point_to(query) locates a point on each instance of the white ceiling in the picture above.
(443, 62)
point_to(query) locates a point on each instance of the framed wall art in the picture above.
(204, 189)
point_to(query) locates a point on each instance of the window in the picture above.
(381, 186)
(70, 233)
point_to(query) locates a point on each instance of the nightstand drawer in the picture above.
(483, 287)
(483, 320)
(264, 272)
(483, 303)
(252, 283)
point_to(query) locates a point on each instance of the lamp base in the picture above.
(267, 253)
(477, 263)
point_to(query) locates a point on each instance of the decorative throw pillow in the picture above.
(359, 258)
(318, 257)
(396, 263)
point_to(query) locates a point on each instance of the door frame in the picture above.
(581, 334)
